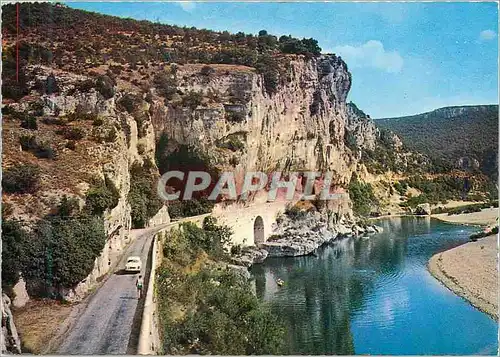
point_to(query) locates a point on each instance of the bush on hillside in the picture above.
(192, 99)
(29, 122)
(40, 149)
(105, 86)
(362, 197)
(21, 178)
(165, 84)
(14, 238)
(56, 254)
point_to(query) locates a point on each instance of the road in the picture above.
(105, 325)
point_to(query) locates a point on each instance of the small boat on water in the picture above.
(280, 282)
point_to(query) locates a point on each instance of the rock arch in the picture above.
(258, 231)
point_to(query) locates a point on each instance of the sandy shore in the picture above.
(486, 217)
(470, 270)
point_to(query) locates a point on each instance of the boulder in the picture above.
(423, 209)
(240, 270)
(250, 256)
(11, 344)
(371, 230)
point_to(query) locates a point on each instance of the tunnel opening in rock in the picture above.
(258, 230)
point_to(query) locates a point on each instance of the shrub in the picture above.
(236, 249)
(73, 133)
(68, 207)
(225, 317)
(165, 84)
(105, 86)
(362, 197)
(268, 67)
(62, 253)
(111, 135)
(207, 71)
(71, 145)
(21, 178)
(401, 187)
(189, 208)
(192, 99)
(39, 149)
(232, 142)
(295, 213)
(98, 121)
(13, 240)
(51, 85)
(14, 90)
(129, 102)
(102, 195)
(29, 122)
(54, 121)
(141, 118)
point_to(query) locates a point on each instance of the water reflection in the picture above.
(357, 285)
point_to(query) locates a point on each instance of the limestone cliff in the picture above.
(108, 148)
(300, 127)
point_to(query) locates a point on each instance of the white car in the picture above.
(133, 264)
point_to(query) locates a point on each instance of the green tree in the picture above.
(14, 238)
(102, 195)
(362, 197)
(143, 197)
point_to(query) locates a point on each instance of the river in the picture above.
(375, 296)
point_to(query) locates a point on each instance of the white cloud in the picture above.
(371, 54)
(487, 35)
(187, 5)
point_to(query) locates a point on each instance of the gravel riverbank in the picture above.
(486, 217)
(470, 270)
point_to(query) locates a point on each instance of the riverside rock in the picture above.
(423, 209)
(250, 256)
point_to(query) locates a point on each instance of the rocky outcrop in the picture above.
(162, 217)
(11, 344)
(250, 255)
(360, 130)
(295, 236)
(423, 209)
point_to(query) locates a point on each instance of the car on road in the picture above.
(133, 264)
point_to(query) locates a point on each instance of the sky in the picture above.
(405, 58)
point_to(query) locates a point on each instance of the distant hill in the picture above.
(463, 136)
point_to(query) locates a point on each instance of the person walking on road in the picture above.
(139, 284)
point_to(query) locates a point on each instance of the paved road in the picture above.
(105, 325)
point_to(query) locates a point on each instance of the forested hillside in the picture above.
(464, 137)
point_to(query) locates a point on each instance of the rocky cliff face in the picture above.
(108, 150)
(304, 125)
(300, 127)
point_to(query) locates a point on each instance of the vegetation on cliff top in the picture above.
(147, 44)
